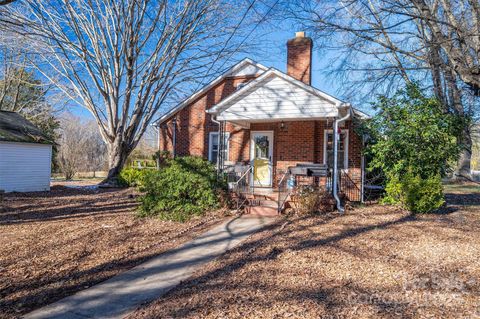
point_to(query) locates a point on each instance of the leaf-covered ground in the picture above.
(373, 262)
(59, 242)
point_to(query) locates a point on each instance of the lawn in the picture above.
(372, 262)
(59, 242)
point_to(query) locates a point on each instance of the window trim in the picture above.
(325, 136)
(227, 134)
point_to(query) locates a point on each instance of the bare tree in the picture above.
(148, 144)
(385, 43)
(124, 60)
(22, 91)
(455, 26)
(72, 143)
(81, 147)
(5, 2)
(95, 149)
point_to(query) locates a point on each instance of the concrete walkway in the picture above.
(120, 295)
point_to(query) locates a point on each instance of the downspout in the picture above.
(156, 128)
(335, 159)
(174, 137)
(362, 189)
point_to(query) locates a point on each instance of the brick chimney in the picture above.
(299, 57)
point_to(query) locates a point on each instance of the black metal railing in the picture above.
(329, 181)
(284, 190)
(347, 186)
(242, 187)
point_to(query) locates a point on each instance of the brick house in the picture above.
(268, 121)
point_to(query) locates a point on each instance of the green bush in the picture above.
(162, 157)
(412, 142)
(415, 193)
(186, 187)
(132, 176)
(393, 191)
(413, 133)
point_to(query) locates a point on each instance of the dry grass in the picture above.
(56, 243)
(373, 262)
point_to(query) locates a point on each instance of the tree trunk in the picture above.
(463, 168)
(117, 156)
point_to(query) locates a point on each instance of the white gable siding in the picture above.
(248, 69)
(25, 167)
(277, 99)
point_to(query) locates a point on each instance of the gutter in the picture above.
(335, 159)
(174, 136)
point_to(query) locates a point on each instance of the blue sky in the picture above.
(273, 53)
(276, 47)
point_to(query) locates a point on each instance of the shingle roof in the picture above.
(15, 128)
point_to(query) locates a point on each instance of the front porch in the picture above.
(275, 123)
(276, 157)
(270, 201)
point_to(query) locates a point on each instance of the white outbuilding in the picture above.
(25, 155)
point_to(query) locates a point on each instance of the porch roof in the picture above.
(276, 96)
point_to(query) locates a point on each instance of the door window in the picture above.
(262, 145)
(261, 156)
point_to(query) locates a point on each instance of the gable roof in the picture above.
(15, 128)
(244, 67)
(258, 81)
(360, 115)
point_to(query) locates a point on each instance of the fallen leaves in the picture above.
(373, 262)
(59, 242)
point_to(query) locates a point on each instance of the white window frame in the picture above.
(227, 134)
(325, 136)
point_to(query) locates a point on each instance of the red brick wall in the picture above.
(299, 58)
(239, 143)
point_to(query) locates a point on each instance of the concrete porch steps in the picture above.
(263, 202)
(261, 211)
(262, 207)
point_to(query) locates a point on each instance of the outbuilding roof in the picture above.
(16, 128)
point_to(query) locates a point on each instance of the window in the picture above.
(342, 149)
(213, 146)
(261, 147)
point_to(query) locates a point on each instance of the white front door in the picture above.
(261, 155)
